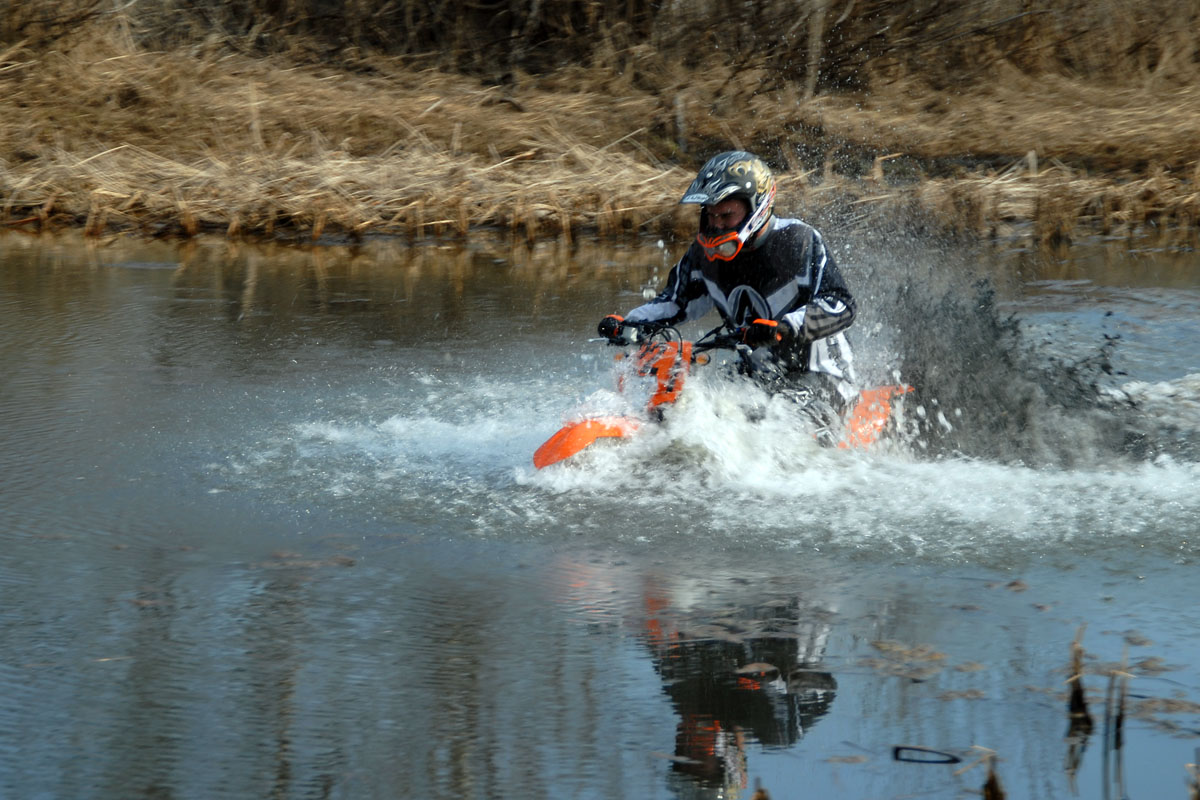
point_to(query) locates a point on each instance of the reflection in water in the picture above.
(746, 674)
(270, 286)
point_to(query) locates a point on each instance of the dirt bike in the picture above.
(663, 354)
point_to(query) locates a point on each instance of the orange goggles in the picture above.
(721, 248)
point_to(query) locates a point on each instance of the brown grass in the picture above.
(219, 133)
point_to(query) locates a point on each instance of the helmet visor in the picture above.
(721, 247)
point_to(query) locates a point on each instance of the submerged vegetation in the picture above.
(1046, 120)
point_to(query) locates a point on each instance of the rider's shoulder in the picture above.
(790, 232)
(793, 225)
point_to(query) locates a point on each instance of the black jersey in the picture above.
(789, 277)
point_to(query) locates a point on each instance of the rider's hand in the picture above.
(612, 328)
(764, 332)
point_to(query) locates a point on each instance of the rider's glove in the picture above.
(612, 328)
(764, 332)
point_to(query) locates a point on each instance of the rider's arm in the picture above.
(831, 308)
(684, 296)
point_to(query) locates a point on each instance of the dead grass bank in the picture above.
(106, 134)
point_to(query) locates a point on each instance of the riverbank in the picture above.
(108, 135)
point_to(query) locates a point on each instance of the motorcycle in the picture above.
(661, 353)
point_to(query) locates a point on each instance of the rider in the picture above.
(770, 278)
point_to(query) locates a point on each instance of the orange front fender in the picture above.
(575, 436)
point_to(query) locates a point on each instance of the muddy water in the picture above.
(271, 528)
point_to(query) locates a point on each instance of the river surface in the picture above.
(271, 528)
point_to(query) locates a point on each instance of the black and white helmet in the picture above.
(732, 174)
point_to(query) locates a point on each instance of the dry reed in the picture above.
(266, 128)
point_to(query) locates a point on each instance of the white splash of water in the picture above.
(769, 479)
(1174, 402)
(730, 466)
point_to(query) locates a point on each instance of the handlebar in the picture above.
(719, 338)
(722, 337)
(627, 333)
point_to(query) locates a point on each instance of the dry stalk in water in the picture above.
(1081, 718)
